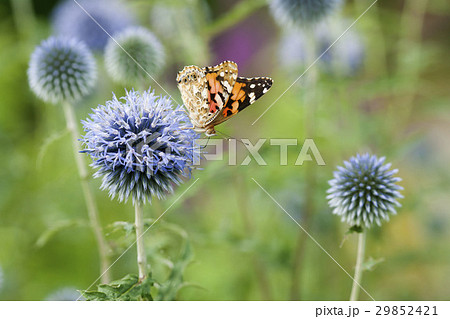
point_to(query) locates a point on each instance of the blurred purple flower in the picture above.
(302, 12)
(72, 19)
(345, 57)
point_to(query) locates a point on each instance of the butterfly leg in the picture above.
(207, 141)
(183, 109)
(210, 132)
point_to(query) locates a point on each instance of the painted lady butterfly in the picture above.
(214, 94)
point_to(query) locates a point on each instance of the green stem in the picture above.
(89, 198)
(310, 177)
(358, 267)
(23, 17)
(238, 13)
(311, 82)
(376, 61)
(298, 259)
(410, 38)
(258, 265)
(410, 31)
(141, 255)
(142, 86)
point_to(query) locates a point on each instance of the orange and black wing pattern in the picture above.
(215, 93)
(220, 80)
(245, 92)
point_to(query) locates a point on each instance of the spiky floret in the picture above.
(61, 69)
(140, 145)
(302, 12)
(133, 55)
(364, 191)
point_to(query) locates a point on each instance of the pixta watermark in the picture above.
(241, 151)
(227, 149)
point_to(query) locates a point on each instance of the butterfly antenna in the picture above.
(230, 137)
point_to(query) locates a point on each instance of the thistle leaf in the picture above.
(169, 289)
(47, 235)
(126, 289)
(371, 263)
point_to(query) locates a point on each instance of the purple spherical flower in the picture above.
(137, 54)
(61, 69)
(140, 145)
(364, 191)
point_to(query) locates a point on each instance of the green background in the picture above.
(231, 241)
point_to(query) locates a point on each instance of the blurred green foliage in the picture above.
(232, 241)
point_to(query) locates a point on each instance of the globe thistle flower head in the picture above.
(136, 54)
(346, 56)
(302, 13)
(343, 58)
(292, 51)
(140, 145)
(79, 20)
(364, 191)
(61, 69)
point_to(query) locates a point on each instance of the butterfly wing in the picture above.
(220, 80)
(192, 84)
(206, 91)
(213, 94)
(245, 92)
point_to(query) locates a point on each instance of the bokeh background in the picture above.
(384, 90)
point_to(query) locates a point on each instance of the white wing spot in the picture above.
(222, 74)
(252, 86)
(265, 90)
(227, 86)
(252, 97)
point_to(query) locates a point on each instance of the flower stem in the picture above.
(23, 17)
(410, 49)
(258, 265)
(141, 255)
(89, 198)
(358, 267)
(376, 62)
(309, 116)
(235, 15)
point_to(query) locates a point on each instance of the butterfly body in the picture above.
(213, 94)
